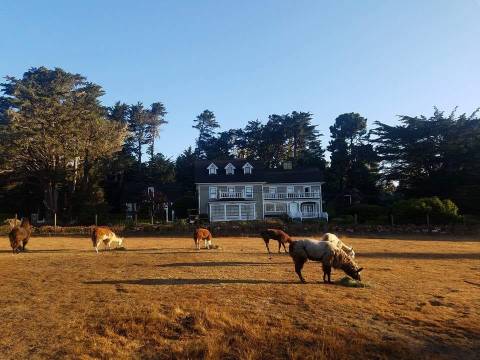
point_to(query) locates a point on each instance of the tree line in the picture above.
(65, 152)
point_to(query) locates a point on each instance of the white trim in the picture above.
(210, 188)
(198, 192)
(238, 217)
(316, 183)
(230, 169)
(249, 167)
(233, 183)
(212, 169)
(245, 191)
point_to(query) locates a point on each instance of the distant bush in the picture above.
(416, 210)
(343, 220)
(368, 213)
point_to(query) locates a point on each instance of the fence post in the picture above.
(55, 222)
(136, 219)
(391, 220)
(96, 219)
(355, 219)
(428, 223)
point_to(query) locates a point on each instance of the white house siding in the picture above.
(280, 205)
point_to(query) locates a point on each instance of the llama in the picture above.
(20, 235)
(13, 223)
(338, 243)
(103, 233)
(275, 234)
(202, 234)
(326, 253)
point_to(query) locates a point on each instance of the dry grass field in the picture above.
(161, 299)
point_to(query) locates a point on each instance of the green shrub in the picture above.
(367, 212)
(343, 220)
(416, 210)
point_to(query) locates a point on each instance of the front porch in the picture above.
(295, 209)
(232, 211)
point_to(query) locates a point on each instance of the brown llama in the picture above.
(202, 234)
(326, 253)
(276, 234)
(20, 235)
(104, 234)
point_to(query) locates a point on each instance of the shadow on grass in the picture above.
(186, 282)
(222, 263)
(28, 251)
(423, 256)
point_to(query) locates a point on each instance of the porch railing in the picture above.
(231, 195)
(294, 195)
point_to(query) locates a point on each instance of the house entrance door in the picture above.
(293, 210)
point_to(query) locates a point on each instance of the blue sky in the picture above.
(247, 59)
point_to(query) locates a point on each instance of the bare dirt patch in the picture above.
(161, 299)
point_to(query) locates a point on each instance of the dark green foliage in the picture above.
(354, 164)
(436, 156)
(183, 204)
(58, 134)
(184, 169)
(206, 124)
(369, 213)
(415, 211)
(283, 137)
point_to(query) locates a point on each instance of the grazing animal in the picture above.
(20, 235)
(202, 234)
(324, 252)
(12, 222)
(275, 234)
(338, 243)
(103, 233)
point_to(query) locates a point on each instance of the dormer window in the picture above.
(229, 169)
(212, 169)
(247, 169)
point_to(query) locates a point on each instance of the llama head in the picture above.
(353, 272)
(347, 264)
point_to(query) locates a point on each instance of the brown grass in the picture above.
(161, 299)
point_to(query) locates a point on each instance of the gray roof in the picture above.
(259, 173)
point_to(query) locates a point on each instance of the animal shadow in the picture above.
(220, 264)
(183, 282)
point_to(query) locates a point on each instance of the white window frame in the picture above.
(269, 204)
(212, 169)
(212, 190)
(230, 169)
(249, 194)
(247, 169)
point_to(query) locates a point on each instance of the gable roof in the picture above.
(259, 173)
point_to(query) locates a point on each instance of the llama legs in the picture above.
(266, 244)
(327, 271)
(298, 268)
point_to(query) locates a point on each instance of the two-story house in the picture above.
(244, 190)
